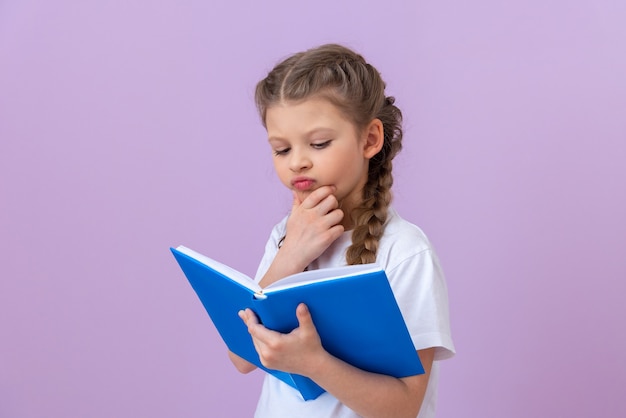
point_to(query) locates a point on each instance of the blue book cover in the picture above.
(353, 309)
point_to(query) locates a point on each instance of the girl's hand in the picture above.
(296, 352)
(368, 394)
(314, 224)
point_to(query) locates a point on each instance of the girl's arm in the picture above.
(368, 394)
(243, 365)
(313, 225)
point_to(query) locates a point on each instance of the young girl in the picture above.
(333, 135)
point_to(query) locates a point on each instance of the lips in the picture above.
(302, 183)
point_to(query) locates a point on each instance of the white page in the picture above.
(230, 272)
(321, 275)
(294, 280)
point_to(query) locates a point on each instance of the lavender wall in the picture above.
(128, 126)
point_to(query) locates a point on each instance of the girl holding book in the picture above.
(333, 134)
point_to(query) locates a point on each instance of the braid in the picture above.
(370, 217)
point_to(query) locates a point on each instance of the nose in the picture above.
(299, 161)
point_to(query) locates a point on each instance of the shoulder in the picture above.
(401, 240)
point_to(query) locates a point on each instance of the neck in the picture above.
(348, 221)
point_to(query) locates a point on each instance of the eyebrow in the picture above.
(307, 134)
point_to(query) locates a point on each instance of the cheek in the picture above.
(282, 171)
(278, 165)
(346, 165)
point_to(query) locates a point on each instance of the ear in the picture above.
(374, 138)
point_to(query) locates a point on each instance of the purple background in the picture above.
(128, 126)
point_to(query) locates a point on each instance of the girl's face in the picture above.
(314, 145)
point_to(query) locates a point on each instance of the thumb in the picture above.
(304, 316)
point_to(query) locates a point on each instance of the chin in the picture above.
(303, 194)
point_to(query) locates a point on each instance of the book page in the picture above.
(225, 270)
(321, 275)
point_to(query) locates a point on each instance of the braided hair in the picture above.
(356, 88)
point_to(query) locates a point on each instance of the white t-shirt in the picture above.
(419, 286)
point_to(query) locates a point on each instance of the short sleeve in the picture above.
(420, 289)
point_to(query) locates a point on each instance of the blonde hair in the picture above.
(356, 88)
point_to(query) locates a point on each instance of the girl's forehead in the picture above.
(312, 107)
(318, 108)
(316, 100)
(304, 116)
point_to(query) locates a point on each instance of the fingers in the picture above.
(305, 321)
(312, 226)
(257, 331)
(318, 195)
(248, 317)
(285, 351)
(324, 203)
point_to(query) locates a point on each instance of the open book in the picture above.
(353, 309)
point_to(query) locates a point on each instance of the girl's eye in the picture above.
(321, 145)
(282, 151)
